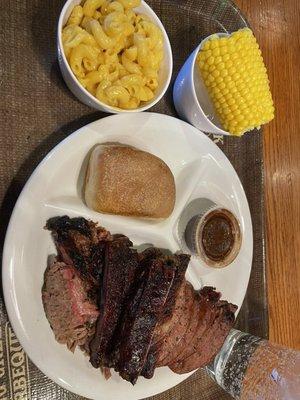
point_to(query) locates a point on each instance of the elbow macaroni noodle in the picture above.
(114, 53)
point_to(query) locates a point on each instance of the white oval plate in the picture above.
(200, 169)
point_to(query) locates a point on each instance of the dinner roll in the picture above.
(127, 181)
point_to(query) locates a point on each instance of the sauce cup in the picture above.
(209, 232)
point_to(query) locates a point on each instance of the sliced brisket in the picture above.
(180, 262)
(71, 314)
(80, 243)
(212, 339)
(207, 299)
(178, 330)
(189, 334)
(121, 266)
(215, 320)
(174, 301)
(147, 314)
(141, 318)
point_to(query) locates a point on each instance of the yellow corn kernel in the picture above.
(236, 78)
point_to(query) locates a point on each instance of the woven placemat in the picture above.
(38, 111)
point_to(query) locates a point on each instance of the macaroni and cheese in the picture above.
(114, 53)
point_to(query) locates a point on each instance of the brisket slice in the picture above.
(212, 340)
(180, 262)
(170, 341)
(215, 321)
(80, 243)
(121, 267)
(126, 319)
(166, 321)
(162, 331)
(189, 334)
(207, 299)
(141, 318)
(71, 314)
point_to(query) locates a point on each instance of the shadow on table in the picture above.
(43, 38)
(44, 30)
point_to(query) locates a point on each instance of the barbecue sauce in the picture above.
(217, 236)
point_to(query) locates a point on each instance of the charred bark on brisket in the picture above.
(121, 267)
(141, 318)
(80, 243)
(141, 299)
(180, 263)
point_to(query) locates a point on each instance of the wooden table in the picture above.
(277, 26)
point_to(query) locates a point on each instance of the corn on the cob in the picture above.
(234, 73)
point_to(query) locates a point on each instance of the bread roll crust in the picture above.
(126, 181)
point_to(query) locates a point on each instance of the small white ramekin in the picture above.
(190, 227)
(87, 98)
(191, 98)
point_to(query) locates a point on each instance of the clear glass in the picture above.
(250, 368)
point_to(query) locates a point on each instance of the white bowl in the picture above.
(191, 98)
(87, 98)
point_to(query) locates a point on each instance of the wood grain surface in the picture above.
(277, 26)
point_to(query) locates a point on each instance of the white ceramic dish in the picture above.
(87, 98)
(191, 98)
(200, 169)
